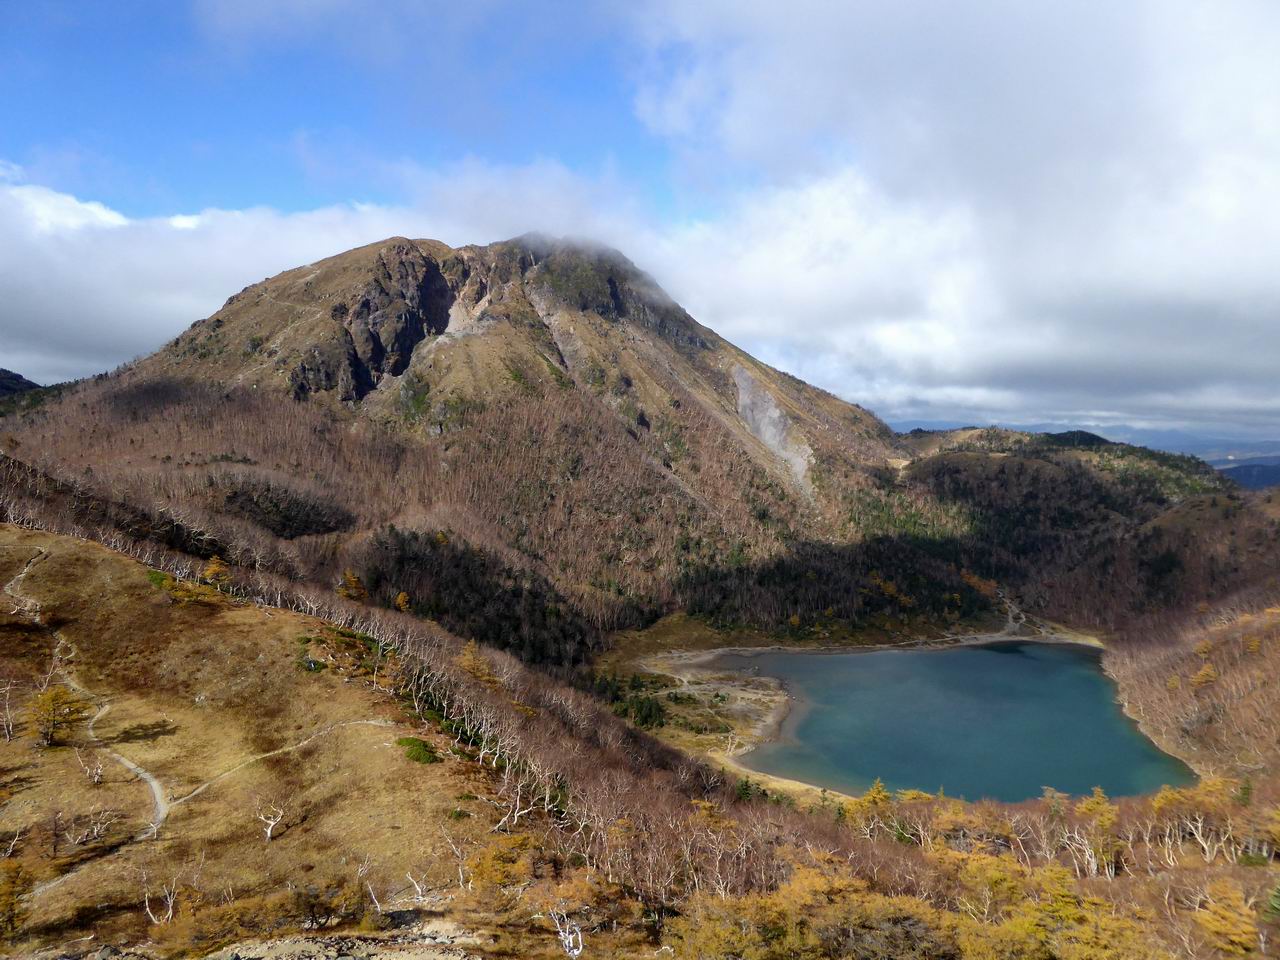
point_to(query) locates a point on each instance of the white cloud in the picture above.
(46, 211)
(1008, 209)
(908, 308)
(1024, 211)
(85, 288)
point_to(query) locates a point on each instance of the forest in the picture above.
(527, 507)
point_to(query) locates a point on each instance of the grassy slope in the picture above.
(245, 661)
(197, 691)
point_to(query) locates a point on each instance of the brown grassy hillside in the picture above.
(232, 710)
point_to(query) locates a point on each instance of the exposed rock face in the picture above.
(342, 327)
(332, 366)
(608, 284)
(770, 425)
(406, 300)
(11, 383)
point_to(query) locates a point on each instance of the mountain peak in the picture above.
(435, 341)
(347, 325)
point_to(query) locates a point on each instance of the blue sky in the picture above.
(157, 107)
(1019, 212)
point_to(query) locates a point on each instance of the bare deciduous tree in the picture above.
(570, 934)
(92, 767)
(7, 687)
(271, 812)
(459, 858)
(12, 845)
(91, 827)
(166, 897)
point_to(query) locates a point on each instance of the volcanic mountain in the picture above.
(530, 445)
(414, 331)
(533, 444)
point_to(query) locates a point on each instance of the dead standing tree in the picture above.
(7, 726)
(271, 812)
(92, 767)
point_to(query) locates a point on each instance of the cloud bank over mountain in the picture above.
(1018, 212)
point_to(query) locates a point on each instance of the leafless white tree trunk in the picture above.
(6, 708)
(270, 812)
(459, 857)
(570, 934)
(94, 827)
(92, 769)
(167, 897)
(12, 844)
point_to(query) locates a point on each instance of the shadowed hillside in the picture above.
(1253, 476)
(11, 383)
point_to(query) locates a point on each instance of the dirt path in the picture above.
(21, 604)
(273, 753)
(31, 608)
(162, 804)
(159, 802)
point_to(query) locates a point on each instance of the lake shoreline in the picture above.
(765, 708)
(697, 666)
(1157, 736)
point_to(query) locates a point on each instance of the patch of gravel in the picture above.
(437, 940)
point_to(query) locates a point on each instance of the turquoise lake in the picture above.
(1001, 721)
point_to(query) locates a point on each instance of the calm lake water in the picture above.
(1002, 720)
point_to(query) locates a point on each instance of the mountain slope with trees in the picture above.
(531, 443)
(355, 766)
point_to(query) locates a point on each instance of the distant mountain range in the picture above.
(1254, 474)
(1213, 449)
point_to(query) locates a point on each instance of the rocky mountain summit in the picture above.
(416, 329)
